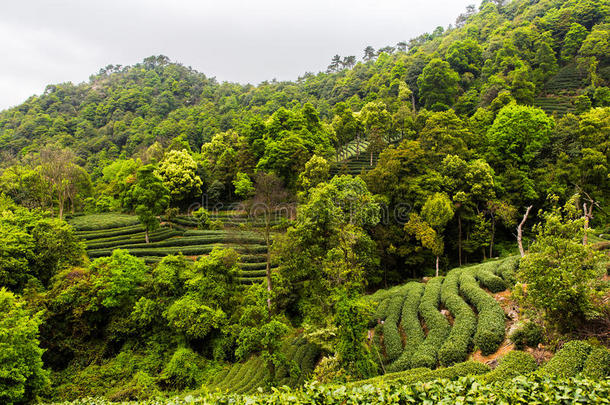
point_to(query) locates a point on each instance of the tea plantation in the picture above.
(103, 233)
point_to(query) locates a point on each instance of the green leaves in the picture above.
(22, 377)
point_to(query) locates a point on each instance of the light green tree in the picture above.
(429, 226)
(178, 170)
(21, 369)
(563, 276)
(149, 198)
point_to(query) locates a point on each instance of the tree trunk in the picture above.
(520, 231)
(493, 232)
(460, 238)
(146, 235)
(436, 266)
(61, 201)
(588, 216)
(371, 157)
(358, 145)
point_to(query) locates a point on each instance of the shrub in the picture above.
(411, 326)
(423, 374)
(216, 224)
(22, 376)
(568, 361)
(511, 365)
(203, 218)
(529, 335)
(507, 269)
(490, 326)
(484, 273)
(183, 370)
(455, 348)
(438, 326)
(391, 337)
(597, 365)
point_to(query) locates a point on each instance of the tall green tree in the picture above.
(438, 85)
(21, 367)
(149, 198)
(428, 227)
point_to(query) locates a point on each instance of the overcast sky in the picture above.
(54, 41)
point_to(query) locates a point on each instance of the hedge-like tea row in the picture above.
(253, 258)
(411, 326)
(456, 347)
(438, 326)
(106, 233)
(511, 365)
(251, 280)
(391, 336)
(185, 250)
(597, 365)
(490, 325)
(192, 240)
(486, 276)
(508, 268)
(138, 240)
(568, 361)
(422, 374)
(94, 222)
(253, 273)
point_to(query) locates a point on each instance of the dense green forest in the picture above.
(409, 217)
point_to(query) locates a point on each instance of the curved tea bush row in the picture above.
(511, 365)
(106, 233)
(507, 269)
(597, 365)
(486, 276)
(391, 336)
(422, 374)
(251, 280)
(455, 348)
(94, 222)
(438, 326)
(568, 361)
(192, 240)
(411, 326)
(185, 250)
(156, 239)
(490, 325)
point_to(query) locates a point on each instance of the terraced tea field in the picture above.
(441, 322)
(103, 233)
(246, 377)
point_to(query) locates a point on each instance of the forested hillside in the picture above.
(162, 233)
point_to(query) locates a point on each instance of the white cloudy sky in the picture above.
(53, 41)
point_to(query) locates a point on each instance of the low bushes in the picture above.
(103, 221)
(423, 374)
(438, 326)
(107, 233)
(185, 250)
(455, 348)
(411, 326)
(485, 274)
(391, 337)
(511, 365)
(597, 365)
(528, 335)
(568, 361)
(490, 326)
(507, 269)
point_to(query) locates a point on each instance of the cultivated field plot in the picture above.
(103, 233)
(441, 322)
(246, 377)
